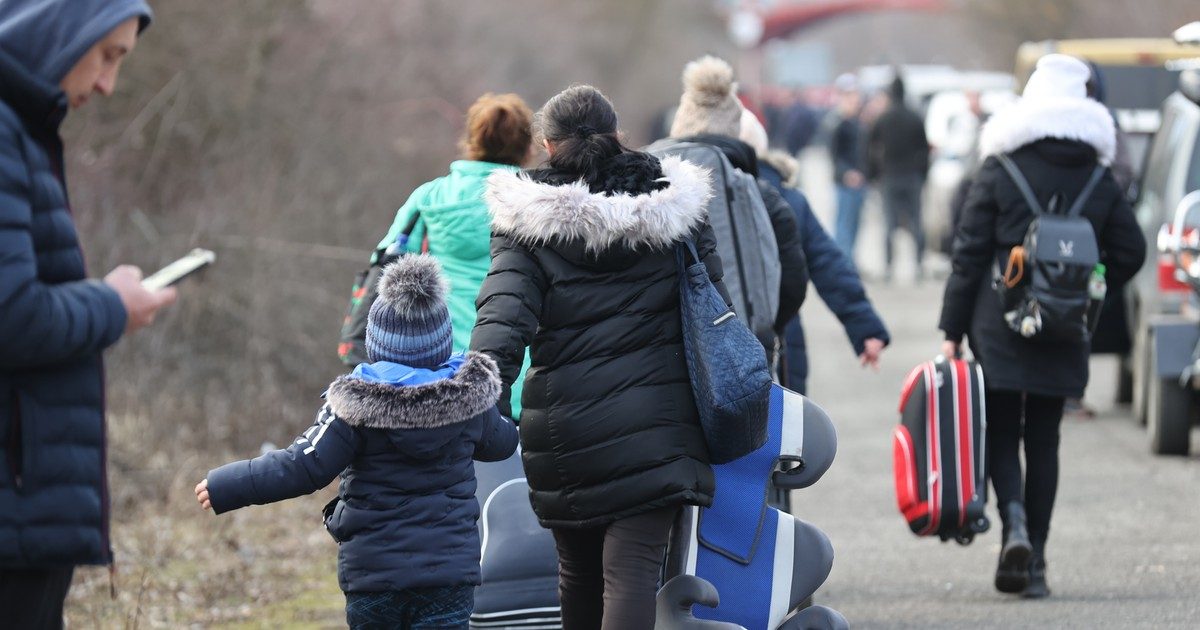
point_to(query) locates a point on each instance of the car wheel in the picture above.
(1169, 412)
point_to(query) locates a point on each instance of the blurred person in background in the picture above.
(831, 271)
(965, 134)
(584, 274)
(54, 321)
(1122, 166)
(898, 159)
(1112, 331)
(799, 123)
(1055, 136)
(452, 221)
(847, 149)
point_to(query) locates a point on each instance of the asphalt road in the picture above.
(1124, 549)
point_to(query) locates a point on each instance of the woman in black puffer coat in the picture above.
(584, 273)
(1056, 137)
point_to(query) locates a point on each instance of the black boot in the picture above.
(1037, 588)
(1012, 572)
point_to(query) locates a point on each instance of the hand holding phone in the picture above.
(141, 304)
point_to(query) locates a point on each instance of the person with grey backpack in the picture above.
(758, 238)
(1044, 226)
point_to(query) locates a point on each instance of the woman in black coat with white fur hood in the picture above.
(584, 273)
(1056, 136)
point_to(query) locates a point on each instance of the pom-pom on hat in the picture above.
(709, 103)
(409, 323)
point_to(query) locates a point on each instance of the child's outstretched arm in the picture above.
(312, 461)
(499, 438)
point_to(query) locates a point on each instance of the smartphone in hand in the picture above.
(194, 261)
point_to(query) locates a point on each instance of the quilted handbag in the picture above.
(726, 364)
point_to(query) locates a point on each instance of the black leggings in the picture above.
(608, 576)
(1011, 416)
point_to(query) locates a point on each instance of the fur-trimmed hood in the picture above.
(535, 213)
(788, 166)
(1064, 118)
(473, 389)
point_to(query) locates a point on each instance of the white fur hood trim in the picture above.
(534, 213)
(1065, 118)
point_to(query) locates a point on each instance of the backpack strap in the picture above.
(1014, 173)
(1090, 186)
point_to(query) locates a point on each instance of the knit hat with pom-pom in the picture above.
(409, 323)
(709, 103)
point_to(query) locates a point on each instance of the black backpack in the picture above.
(1048, 298)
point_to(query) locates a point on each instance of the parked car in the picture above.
(1161, 300)
(1173, 340)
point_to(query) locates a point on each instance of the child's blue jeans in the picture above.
(432, 608)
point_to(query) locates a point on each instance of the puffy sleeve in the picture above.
(973, 252)
(509, 307)
(43, 324)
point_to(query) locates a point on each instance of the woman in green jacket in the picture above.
(453, 223)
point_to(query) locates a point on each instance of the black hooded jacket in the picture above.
(585, 275)
(995, 219)
(896, 144)
(794, 276)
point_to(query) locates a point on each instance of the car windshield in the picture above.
(1138, 87)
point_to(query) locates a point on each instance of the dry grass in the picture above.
(177, 566)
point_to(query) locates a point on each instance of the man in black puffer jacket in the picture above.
(709, 113)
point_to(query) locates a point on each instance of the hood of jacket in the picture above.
(394, 396)
(535, 212)
(47, 37)
(786, 167)
(1061, 118)
(740, 154)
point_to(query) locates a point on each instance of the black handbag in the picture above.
(726, 363)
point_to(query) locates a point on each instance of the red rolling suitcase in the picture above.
(938, 451)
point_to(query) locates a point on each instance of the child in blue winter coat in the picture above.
(403, 432)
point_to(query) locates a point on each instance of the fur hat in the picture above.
(709, 103)
(409, 322)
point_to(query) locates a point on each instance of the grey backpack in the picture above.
(745, 237)
(1051, 301)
